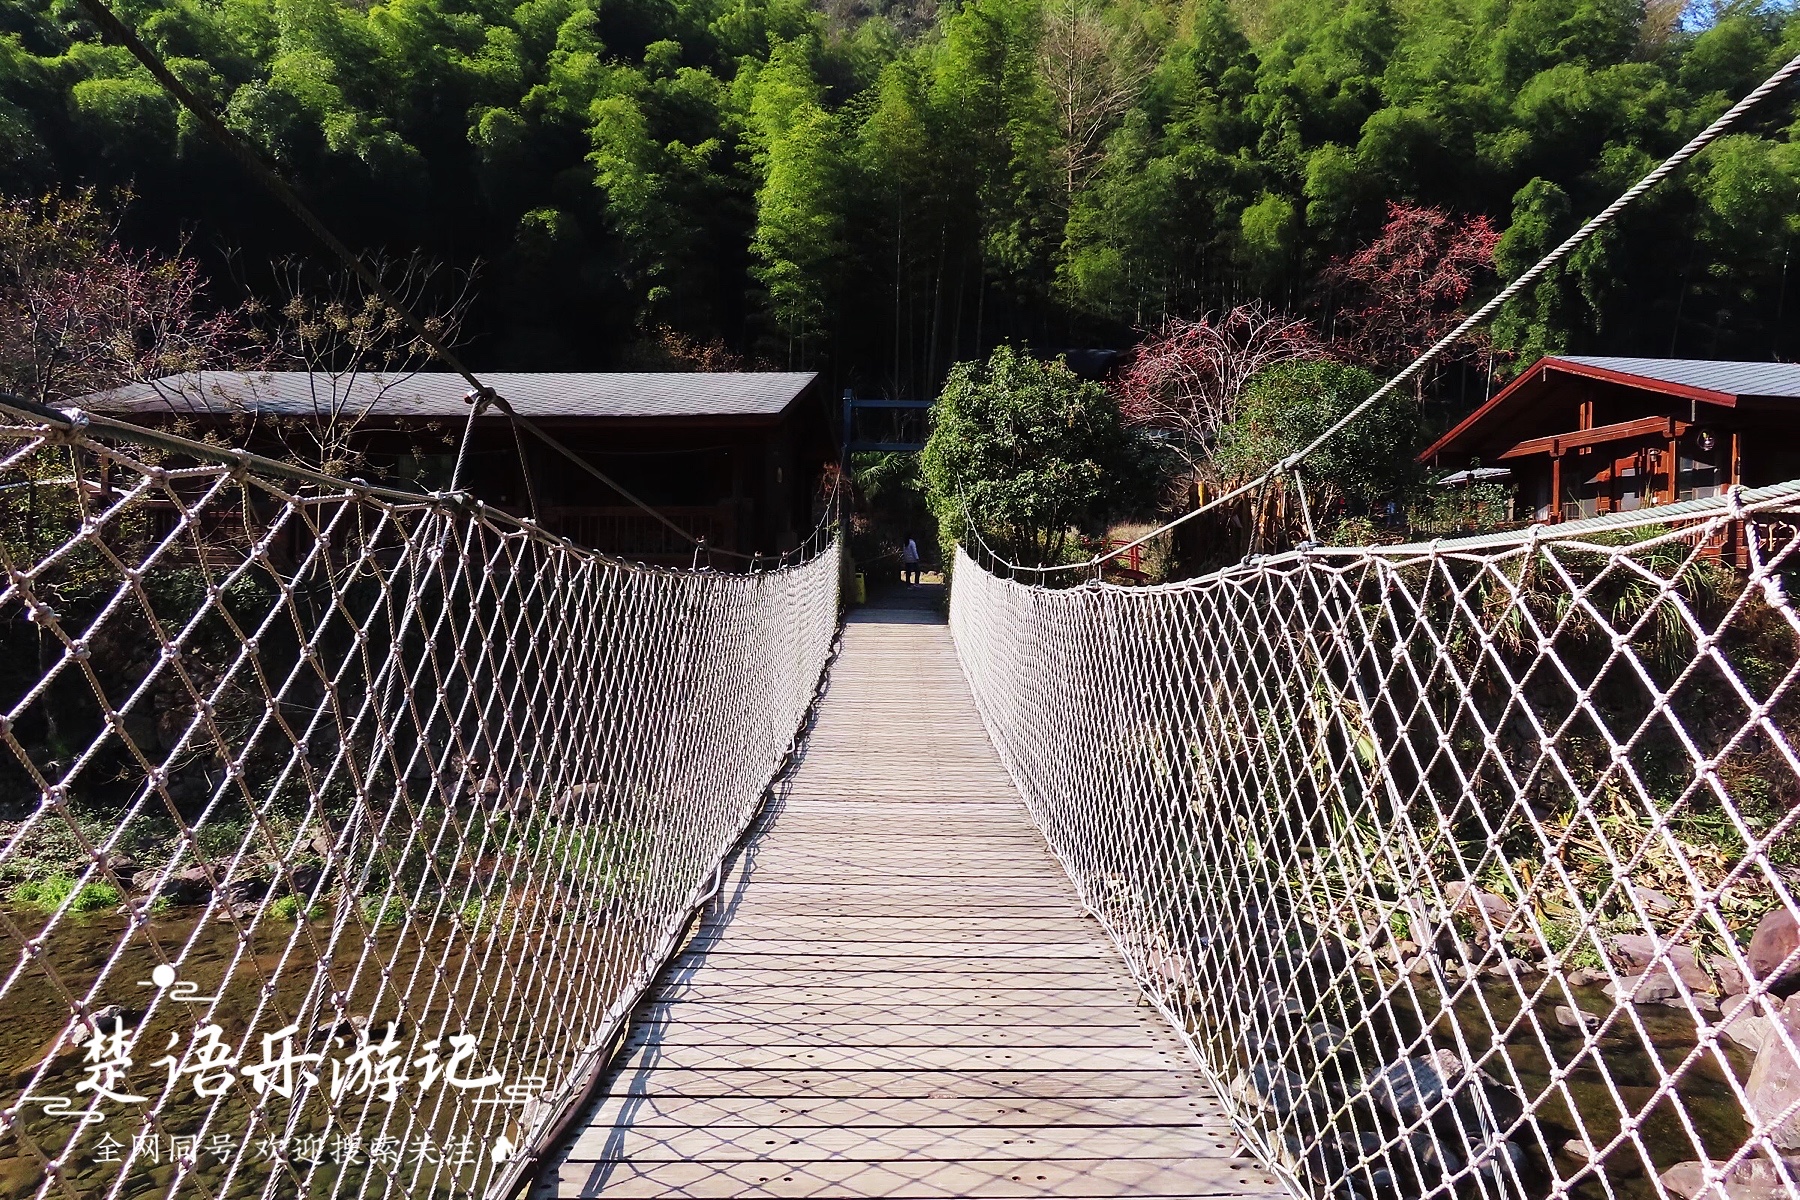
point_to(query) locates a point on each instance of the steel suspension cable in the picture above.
(271, 179)
(1568, 246)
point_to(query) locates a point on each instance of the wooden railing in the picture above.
(1130, 563)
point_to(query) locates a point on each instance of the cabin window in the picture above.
(1699, 474)
(1631, 484)
(1614, 479)
(1534, 492)
(1592, 488)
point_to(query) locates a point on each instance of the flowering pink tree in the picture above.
(1187, 379)
(1406, 289)
(79, 312)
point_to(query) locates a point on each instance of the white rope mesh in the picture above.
(338, 833)
(1463, 868)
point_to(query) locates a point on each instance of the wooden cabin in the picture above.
(1584, 436)
(733, 457)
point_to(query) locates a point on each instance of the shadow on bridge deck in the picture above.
(922, 603)
(896, 992)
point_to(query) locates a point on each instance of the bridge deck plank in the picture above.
(1085, 1027)
(879, 1144)
(897, 992)
(849, 1016)
(920, 993)
(943, 1112)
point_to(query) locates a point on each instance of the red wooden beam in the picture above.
(1558, 443)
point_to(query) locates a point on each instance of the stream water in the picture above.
(1371, 1090)
(1617, 1077)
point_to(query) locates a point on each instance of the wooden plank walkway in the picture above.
(897, 993)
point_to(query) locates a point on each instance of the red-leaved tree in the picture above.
(1405, 290)
(1187, 378)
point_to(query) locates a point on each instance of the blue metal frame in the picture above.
(852, 402)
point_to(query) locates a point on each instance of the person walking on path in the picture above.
(909, 562)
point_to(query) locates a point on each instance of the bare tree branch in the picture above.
(354, 348)
(1187, 380)
(1094, 71)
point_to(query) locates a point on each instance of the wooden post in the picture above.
(1740, 546)
(1556, 487)
(1674, 468)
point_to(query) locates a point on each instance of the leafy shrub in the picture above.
(1289, 405)
(1029, 451)
(1445, 512)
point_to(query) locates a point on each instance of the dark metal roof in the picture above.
(437, 394)
(1731, 378)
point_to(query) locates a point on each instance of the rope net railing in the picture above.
(340, 830)
(1462, 868)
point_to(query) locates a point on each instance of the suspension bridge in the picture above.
(897, 991)
(361, 843)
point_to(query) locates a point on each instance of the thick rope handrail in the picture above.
(1568, 246)
(371, 812)
(1779, 499)
(1464, 868)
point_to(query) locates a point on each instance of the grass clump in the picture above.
(49, 893)
(294, 909)
(378, 911)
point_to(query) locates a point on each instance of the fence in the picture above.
(338, 828)
(1463, 868)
